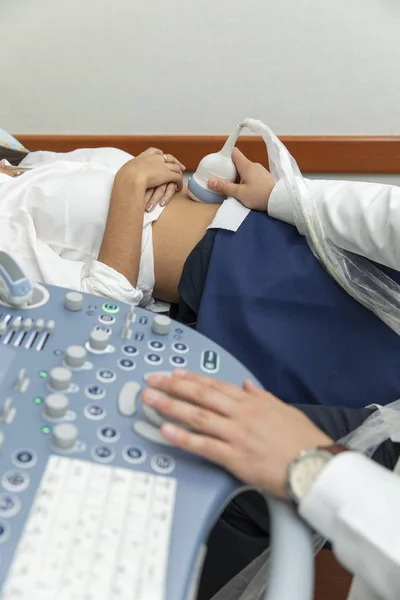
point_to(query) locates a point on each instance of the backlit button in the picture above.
(180, 347)
(106, 375)
(95, 391)
(15, 481)
(178, 361)
(9, 505)
(177, 337)
(143, 320)
(95, 412)
(103, 454)
(153, 359)
(156, 345)
(111, 308)
(4, 532)
(127, 364)
(134, 455)
(25, 458)
(130, 350)
(107, 319)
(178, 330)
(108, 434)
(139, 336)
(162, 463)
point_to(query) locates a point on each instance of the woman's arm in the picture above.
(122, 240)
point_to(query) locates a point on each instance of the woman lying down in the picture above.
(93, 220)
(101, 222)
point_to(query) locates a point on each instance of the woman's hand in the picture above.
(248, 431)
(153, 169)
(255, 187)
(160, 195)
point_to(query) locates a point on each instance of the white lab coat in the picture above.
(355, 503)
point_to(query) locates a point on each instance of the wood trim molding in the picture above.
(314, 154)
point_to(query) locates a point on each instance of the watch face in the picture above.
(304, 471)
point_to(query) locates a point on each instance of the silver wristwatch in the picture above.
(304, 470)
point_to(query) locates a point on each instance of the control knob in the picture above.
(73, 301)
(161, 325)
(98, 339)
(64, 436)
(60, 378)
(56, 406)
(75, 356)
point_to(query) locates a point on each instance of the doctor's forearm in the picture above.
(122, 241)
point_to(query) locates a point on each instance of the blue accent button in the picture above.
(94, 411)
(9, 505)
(95, 391)
(143, 320)
(108, 434)
(106, 375)
(130, 350)
(103, 453)
(15, 481)
(180, 347)
(126, 364)
(4, 532)
(134, 455)
(153, 359)
(178, 361)
(209, 361)
(162, 463)
(25, 458)
(156, 345)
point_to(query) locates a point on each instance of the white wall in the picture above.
(199, 66)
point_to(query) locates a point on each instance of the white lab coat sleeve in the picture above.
(355, 503)
(363, 218)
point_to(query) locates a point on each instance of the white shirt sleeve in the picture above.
(363, 218)
(355, 503)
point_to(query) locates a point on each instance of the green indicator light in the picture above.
(37, 400)
(45, 429)
(111, 308)
(43, 374)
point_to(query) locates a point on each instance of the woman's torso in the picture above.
(63, 205)
(178, 229)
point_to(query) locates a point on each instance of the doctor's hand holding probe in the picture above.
(345, 496)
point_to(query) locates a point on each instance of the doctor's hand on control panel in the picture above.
(274, 446)
(248, 431)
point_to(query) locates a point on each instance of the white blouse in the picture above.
(52, 220)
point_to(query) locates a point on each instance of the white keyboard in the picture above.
(94, 532)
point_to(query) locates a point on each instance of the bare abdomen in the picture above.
(180, 227)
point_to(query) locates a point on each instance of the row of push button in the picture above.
(17, 481)
(157, 346)
(161, 463)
